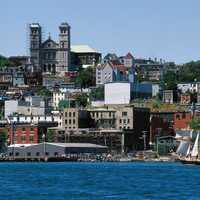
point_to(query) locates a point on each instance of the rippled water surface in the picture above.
(42, 181)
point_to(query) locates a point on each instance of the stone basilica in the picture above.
(49, 56)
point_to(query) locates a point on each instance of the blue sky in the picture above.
(168, 29)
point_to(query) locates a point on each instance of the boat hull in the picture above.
(190, 162)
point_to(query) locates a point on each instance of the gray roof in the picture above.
(77, 145)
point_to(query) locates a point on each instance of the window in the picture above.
(23, 129)
(65, 114)
(46, 153)
(38, 154)
(183, 115)
(120, 121)
(178, 116)
(124, 114)
(10, 154)
(56, 154)
(17, 154)
(74, 121)
(128, 121)
(70, 114)
(28, 153)
(31, 138)
(74, 114)
(124, 121)
(70, 121)
(66, 121)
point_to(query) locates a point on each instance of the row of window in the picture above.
(124, 127)
(70, 127)
(70, 121)
(100, 114)
(29, 154)
(124, 121)
(70, 114)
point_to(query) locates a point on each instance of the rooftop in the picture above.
(82, 49)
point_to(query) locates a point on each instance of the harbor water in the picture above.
(99, 181)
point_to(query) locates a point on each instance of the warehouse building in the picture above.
(53, 150)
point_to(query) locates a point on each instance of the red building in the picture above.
(181, 120)
(161, 125)
(23, 134)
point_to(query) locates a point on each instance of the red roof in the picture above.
(129, 55)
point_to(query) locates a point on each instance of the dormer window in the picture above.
(49, 44)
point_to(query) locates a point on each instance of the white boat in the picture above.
(192, 156)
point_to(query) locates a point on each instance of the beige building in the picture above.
(113, 117)
(75, 118)
(103, 118)
(124, 117)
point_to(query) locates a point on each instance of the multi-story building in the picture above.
(117, 93)
(32, 105)
(23, 134)
(50, 56)
(127, 60)
(110, 72)
(150, 72)
(103, 118)
(57, 97)
(84, 55)
(75, 119)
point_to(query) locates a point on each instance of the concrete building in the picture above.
(168, 96)
(104, 118)
(150, 71)
(50, 56)
(32, 105)
(57, 97)
(187, 87)
(84, 55)
(11, 106)
(53, 150)
(75, 119)
(127, 60)
(110, 71)
(144, 90)
(117, 93)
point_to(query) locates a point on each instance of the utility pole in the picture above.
(144, 138)
(44, 146)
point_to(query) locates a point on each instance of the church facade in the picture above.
(50, 56)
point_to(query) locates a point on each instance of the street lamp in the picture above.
(44, 146)
(157, 140)
(144, 139)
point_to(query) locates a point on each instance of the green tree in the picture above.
(195, 124)
(190, 71)
(170, 80)
(3, 139)
(50, 136)
(81, 99)
(4, 61)
(97, 93)
(63, 104)
(86, 77)
(44, 92)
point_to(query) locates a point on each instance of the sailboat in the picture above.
(192, 156)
